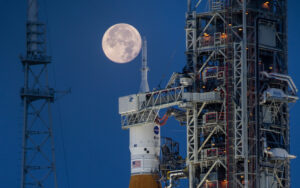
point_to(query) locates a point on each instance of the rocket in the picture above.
(144, 143)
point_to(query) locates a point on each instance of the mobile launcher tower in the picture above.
(233, 97)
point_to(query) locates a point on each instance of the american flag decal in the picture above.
(136, 164)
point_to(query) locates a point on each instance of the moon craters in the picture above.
(121, 43)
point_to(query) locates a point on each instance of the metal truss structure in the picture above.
(235, 92)
(38, 159)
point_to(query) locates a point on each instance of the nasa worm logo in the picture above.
(156, 129)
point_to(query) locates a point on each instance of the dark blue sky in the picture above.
(96, 148)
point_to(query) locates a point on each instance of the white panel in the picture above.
(142, 98)
(267, 115)
(128, 104)
(267, 35)
(186, 81)
(202, 97)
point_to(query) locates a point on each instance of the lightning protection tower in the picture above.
(38, 161)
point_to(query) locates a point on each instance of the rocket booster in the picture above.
(144, 149)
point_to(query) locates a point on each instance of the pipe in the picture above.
(282, 77)
(162, 121)
(174, 174)
(288, 79)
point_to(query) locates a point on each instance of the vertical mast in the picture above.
(144, 70)
(32, 17)
(38, 159)
(32, 11)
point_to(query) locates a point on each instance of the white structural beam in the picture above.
(244, 94)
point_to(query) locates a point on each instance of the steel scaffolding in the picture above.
(235, 92)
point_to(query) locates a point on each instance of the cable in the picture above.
(63, 144)
(169, 63)
(58, 103)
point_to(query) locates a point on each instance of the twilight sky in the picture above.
(96, 147)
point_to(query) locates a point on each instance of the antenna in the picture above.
(144, 70)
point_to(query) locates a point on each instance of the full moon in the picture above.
(121, 43)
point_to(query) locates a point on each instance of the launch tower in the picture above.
(38, 161)
(232, 95)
